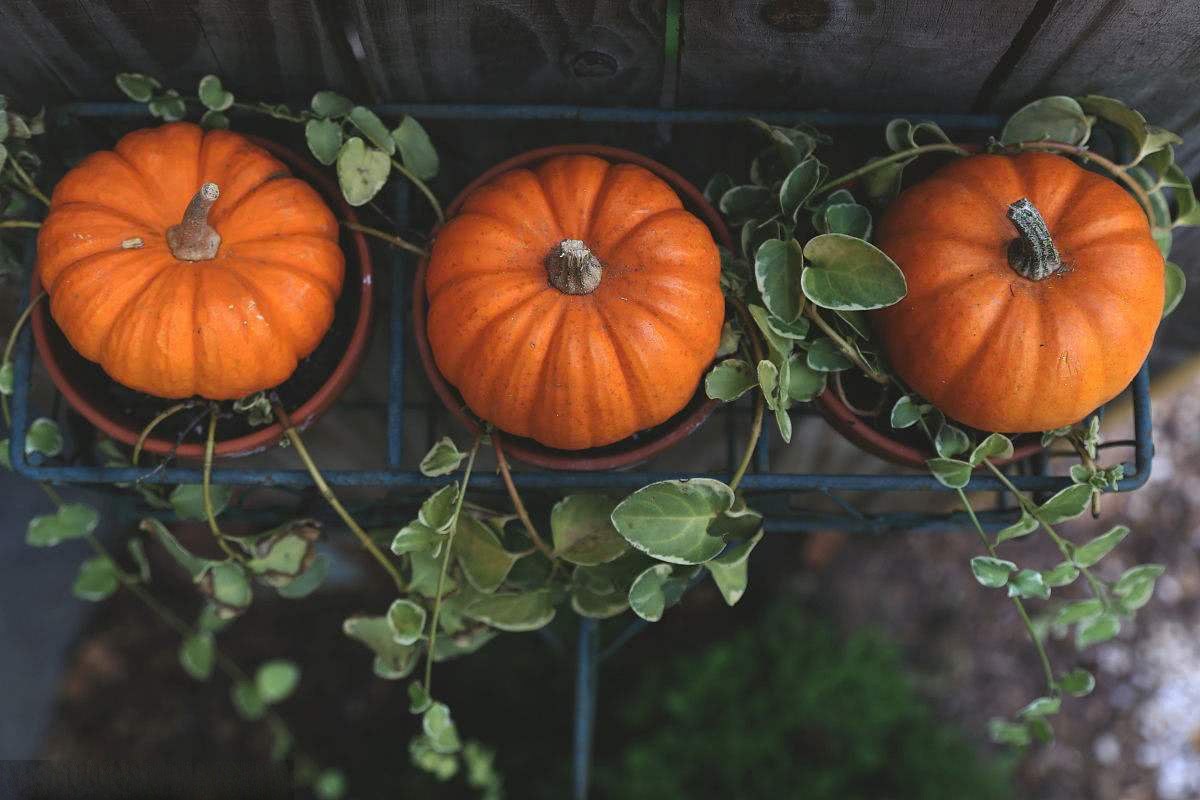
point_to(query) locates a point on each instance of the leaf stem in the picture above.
(10, 344)
(437, 597)
(1115, 169)
(294, 437)
(894, 157)
(29, 186)
(19, 223)
(269, 110)
(395, 241)
(154, 423)
(811, 312)
(515, 497)
(756, 422)
(206, 488)
(424, 189)
(1063, 545)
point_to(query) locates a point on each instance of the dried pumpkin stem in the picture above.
(206, 488)
(515, 496)
(1033, 254)
(363, 538)
(572, 269)
(194, 239)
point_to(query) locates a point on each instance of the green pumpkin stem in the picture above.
(572, 269)
(1033, 254)
(194, 239)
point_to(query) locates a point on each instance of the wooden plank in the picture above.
(860, 55)
(73, 48)
(606, 52)
(1145, 53)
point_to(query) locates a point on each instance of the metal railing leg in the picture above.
(585, 706)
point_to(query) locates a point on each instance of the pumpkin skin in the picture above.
(220, 327)
(574, 371)
(1000, 351)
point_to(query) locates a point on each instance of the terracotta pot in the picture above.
(115, 425)
(858, 429)
(627, 452)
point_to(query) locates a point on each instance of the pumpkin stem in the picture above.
(572, 269)
(1033, 254)
(194, 239)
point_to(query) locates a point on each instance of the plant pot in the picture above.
(90, 392)
(627, 452)
(859, 430)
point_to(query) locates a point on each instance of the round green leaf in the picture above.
(188, 500)
(907, 412)
(97, 579)
(848, 218)
(951, 441)
(437, 512)
(804, 382)
(306, 582)
(1067, 504)
(168, 107)
(393, 660)
(43, 437)
(799, 185)
(362, 171)
(742, 203)
(442, 459)
(730, 379)
(6, 378)
(1022, 527)
(845, 273)
(778, 266)
(213, 95)
(1147, 138)
(373, 128)
(825, 356)
(950, 472)
(730, 570)
(996, 445)
(582, 529)
(331, 104)
(70, 521)
(992, 572)
(646, 596)
(416, 150)
(137, 87)
(669, 520)
(330, 785)
(1057, 119)
(324, 138)
(276, 680)
(1077, 683)
(407, 620)
(1088, 554)
(587, 603)
(514, 613)
(484, 560)
(214, 120)
(197, 655)
(1097, 630)
(417, 537)
(247, 701)
(1176, 284)
(796, 329)
(440, 730)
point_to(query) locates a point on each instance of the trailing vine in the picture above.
(807, 270)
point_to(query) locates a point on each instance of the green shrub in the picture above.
(790, 710)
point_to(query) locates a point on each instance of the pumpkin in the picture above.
(576, 303)
(190, 263)
(1034, 290)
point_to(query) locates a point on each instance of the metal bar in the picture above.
(586, 674)
(569, 113)
(396, 327)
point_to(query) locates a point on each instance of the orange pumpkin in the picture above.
(190, 263)
(576, 303)
(1034, 290)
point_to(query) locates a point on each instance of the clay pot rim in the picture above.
(526, 450)
(266, 436)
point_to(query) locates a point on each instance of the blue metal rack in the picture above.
(774, 488)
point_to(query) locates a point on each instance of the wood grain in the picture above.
(1145, 53)
(843, 54)
(605, 52)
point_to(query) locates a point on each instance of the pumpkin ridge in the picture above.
(599, 201)
(637, 226)
(149, 277)
(228, 211)
(152, 228)
(519, 335)
(235, 260)
(122, 319)
(563, 232)
(636, 391)
(152, 191)
(540, 408)
(479, 339)
(266, 311)
(661, 319)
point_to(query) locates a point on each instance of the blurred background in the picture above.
(858, 665)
